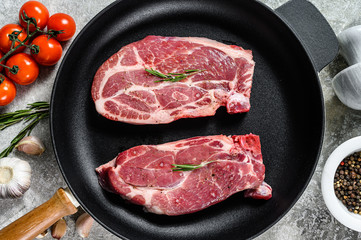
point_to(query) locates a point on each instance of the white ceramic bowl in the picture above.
(334, 205)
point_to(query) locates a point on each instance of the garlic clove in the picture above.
(42, 235)
(15, 175)
(58, 230)
(30, 145)
(83, 225)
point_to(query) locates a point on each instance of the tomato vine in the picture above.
(14, 37)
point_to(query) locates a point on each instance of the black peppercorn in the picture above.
(347, 182)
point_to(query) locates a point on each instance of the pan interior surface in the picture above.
(286, 112)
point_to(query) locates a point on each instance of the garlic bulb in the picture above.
(58, 230)
(31, 145)
(83, 225)
(15, 177)
(350, 44)
(347, 86)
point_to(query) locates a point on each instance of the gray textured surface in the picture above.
(308, 219)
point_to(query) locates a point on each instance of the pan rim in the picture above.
(89, 25)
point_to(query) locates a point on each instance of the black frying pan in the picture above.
(289, 45)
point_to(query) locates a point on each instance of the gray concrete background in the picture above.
(308, 219)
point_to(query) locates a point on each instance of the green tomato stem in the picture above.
(2, 65)
(21, 43)
(2, 78)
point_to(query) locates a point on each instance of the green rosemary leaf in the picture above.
(156, 73)
(173, 77)
(191, 70)
(38, 105)
(188, 167)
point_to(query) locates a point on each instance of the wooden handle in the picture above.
(35, 222)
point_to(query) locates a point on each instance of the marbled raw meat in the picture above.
(144, 174)
(123, 91)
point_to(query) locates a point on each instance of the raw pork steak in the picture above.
(123, 91)
(144, 174)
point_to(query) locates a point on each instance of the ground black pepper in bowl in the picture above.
(347, 182)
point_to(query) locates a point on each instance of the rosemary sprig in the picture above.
(173, 77)
(188, 167)
(32, 115)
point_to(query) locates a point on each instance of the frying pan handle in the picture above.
(41, 218)
(312, 29)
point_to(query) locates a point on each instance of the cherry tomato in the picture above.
(7, 91)
(62, 21)
(50, 50)
(28, 69)
(3, 61)
(37, 10)
(5, 43)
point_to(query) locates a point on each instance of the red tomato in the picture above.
(62, 21)
(3, 62)
(50, 50)
(37, 10)
(7, 91)
(5, 43)
(28, 69)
